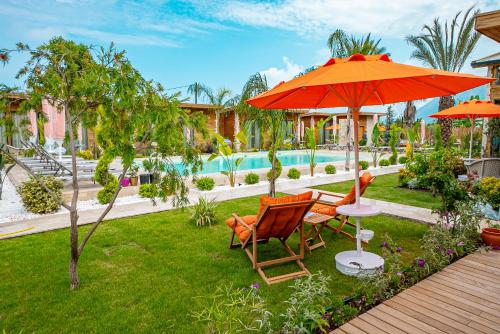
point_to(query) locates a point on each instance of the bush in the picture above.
(393, 159)
(489, 189)
(363, 164)
(148, 190)
(252, 178)
(205, 183)
(330, 169)
(404, 177)
(402, 160)
(86, 154)
(28, 153)
(203, 212)
(384, 163)
(101, 174)
(105, 194)
(294, 174)
(36, 199)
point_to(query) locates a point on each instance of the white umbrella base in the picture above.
(348, 263)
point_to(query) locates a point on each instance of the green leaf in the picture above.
(212, 156)
(238, 161)
(224, 173)
(241, 137)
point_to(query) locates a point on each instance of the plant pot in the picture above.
(145, 178)
(134, 180)
(125, 182)
(491, 236)
(153, 178)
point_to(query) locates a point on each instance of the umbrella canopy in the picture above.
(363, 81)
(470, 109)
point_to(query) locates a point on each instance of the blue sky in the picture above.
(221, 43)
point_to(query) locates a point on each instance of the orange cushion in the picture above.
(242, 232)
(329, 210)
(350, 198)
(266, 200)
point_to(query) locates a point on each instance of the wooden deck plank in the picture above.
(463, 298)
(367, 327)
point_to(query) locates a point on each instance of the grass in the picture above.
(385, 188)
(148, 273)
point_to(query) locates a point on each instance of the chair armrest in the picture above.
(326, 203)
(240, 221)
(320, 194)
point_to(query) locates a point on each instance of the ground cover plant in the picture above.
(386, 188)
(150, 268)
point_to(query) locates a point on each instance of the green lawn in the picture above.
(385, 188)
(145, 273)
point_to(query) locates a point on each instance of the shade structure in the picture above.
(359, 81)
(471, 109)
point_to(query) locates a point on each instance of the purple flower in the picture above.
(461, 244)
(421, 263)
(384, 244)
(399, 249)
(255, 286)
(399, 273)
(496, 247)
(450, 251)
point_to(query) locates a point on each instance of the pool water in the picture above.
(260, 160)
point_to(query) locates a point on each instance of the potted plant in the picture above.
(148, 167)
(491, 235)
(125, 182)
(489, 189)
(133, 170)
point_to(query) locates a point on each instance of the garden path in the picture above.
(462, 298)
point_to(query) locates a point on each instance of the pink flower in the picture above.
(399, 273)
(255, 286)
(450, 251)
(461, 244)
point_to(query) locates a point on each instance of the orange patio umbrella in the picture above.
(471, 109)
(359, 81)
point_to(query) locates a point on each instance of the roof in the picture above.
(488, 24)
(488, 60)
(341, 113)
(197, 106)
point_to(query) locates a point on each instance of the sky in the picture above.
(221, 43)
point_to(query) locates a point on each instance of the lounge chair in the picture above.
(484, 167)
(330, 208)
(278, 218)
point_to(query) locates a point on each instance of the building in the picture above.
(488, 24)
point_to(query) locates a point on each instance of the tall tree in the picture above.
(409, 113)
(102, 89)
(342, 45)
(389, 120)
(270, 122)
(196, 89)
(446, 47)
(221, 99)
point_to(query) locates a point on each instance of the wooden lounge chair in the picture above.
(330, 208)
(275, 221)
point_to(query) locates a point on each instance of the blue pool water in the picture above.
(260, 160)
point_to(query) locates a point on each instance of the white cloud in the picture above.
(275, 75)
(313, 17)
(122, 38)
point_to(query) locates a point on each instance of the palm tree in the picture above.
(342, 45)
(443, 47)
(221, 99)
(196, 90)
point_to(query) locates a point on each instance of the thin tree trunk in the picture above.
(348, 141)
(445, 102)
(272, 183)
(73, 272)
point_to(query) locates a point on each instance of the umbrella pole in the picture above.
(471, 134)
(355, 117)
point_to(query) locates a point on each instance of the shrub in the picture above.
(330, 169)
(105, 195)
(203, 212)
(36, 199)
(101, 174)
(363, 164)
(404, 177)
(384, 163)
(402, 160)
(252, 178)
(148, 190)
(235, 310)
(86, 154)
(29, 152)
(205, 183)
(293, 173)
(489, 189)
(393, 159)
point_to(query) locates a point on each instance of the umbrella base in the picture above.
(348, 263)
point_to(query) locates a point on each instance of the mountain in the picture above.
(432, 106)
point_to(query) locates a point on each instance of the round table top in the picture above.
(361, 210)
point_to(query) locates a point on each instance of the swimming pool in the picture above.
(260, 160)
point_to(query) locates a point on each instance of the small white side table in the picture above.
(354, 263)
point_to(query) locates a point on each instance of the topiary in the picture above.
(278, 168)
(36, 199)
(330, 169)
(293, 173)
(105, 195)
(205, 183)
(252, 178)
(101, 174)
(384, 163)
(363, 164)
(402, 160)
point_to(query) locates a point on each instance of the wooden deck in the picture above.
(463, 298)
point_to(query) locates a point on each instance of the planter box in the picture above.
(145, 178)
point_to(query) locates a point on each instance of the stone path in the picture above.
(462, 298)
